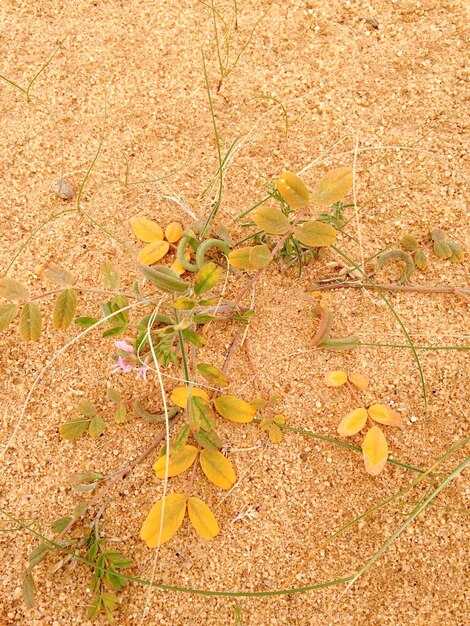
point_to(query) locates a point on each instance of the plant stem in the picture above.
(405, 288)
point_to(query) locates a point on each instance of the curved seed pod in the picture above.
(181, 256)
(207, 245)
(402, 256)
(326, 322)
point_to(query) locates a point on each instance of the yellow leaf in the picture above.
(272, 220)
(234, 409)
(293, 190)
(177, 267)
(359, 380)
(177, 464)
(30, 322)
(315, 234)
(375, 451)
(8, 312)
(213, 375)
(202, 519)
(333, 186)
(153, 252)
(217, 468)
(183, 304)
(260, 256)
(146, 230)
(179, 395)
(335, 378)
(173, 232)
(275, 434)
(64, 309)
(266, 423)
(173, 515)
(353, 422)
(240, 258)
(384, 415)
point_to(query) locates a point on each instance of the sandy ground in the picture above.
(342, 80)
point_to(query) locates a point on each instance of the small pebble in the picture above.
(63, 188)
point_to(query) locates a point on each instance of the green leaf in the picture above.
(109, 604)
(110, 276)
(114, 331)
(38, 553)
(409, 243)
(180, 440)
(120, 416)
(12, 290)
(86, 322)
(74, 428)
(29, 590)
(293, 190)
(421, 260)
(85, 407)
(201, 414)
(213, 375)
(193, 338)
(80, 509)
(203, 318)
(8, 312)
(164, 278)
(315, 234)
(30, 322)
(208, 439)
(117, 303)
(207, 277)
(338, 345)
(64, 309)
(60, 524)
(333, 186)
(272, 220)
(458, 254)
(183, 304)
(114, 395)
(115, 579)
(94, 608)
(97, 426)
(442, 249)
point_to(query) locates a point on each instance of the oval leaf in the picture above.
(375, 451)
(202, 519)
(272, 220)
(12, 290)
(153, 252)
(333, 186)
(359, 380)
(293, 190)
(8, 312)
(240, 258)
(234, 409)
(335, 378)
(201, 414)
(217, 468)
(74, 429)
(64, 309)
(315, 234)
(110, 276)
(352, 423)
(260, 256)
(55, 274)
(146, 230)
(30, 322)
(173, 232)
(96, 427)
(207, 277)
(177, 463)
(179, 395)
(183, 304)
(164, 278)
(384, 415)
(213, 375)
(173, 515)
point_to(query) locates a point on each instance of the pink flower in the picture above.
(141, 371)
(124, 346)
(122, 366)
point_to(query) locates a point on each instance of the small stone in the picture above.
(63, 188)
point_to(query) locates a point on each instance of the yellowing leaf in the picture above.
(409, 243)
(8, 313)
(12, 290)
(55, 274)
(293, 190)
(359, 380)
(177, 267)
(153, 252)
(217, 468)
(206, 278)
(384, 415)
(333, 186)
(275, 434)
(30, 322)
(173, 515)
(335, 378)
(201, 414)
(173, 232)
(202, 519)
(64, 309)
(240, 258)
(352, 423)
(146, 230)
(109, 276)
(213, 375)
(271, 219)
(179, 395)
(177, 464)
(458, 254)
(234, 409)
(375, 451)
(183, 304)
(260, 256)
(315, 234)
